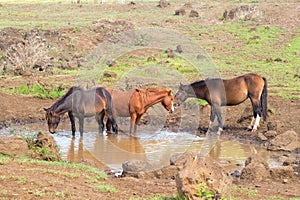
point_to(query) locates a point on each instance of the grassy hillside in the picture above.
(263, 45)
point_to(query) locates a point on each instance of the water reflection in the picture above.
(154, 146)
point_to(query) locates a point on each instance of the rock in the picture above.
(163, 3)
(180, 159)
(256, 169)
(179, 49)
(134, 166)
(109, 74)
(272, 126)
(203, 171)
(194, 13)
(47, 142)
(244, 12)
(180, 12)
(13, 146)
(170, 53)
(287, 141)
(285, 172)
(262, 137)
(271, 134)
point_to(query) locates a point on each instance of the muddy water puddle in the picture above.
(109, 151)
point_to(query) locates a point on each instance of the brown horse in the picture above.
(218, 92)
(79, 103)
(135, 102)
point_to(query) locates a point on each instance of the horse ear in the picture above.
(45, 109)
(170, 92)
(181, 84)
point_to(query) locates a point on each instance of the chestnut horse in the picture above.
(218, 92)
(79, 103)
(135, 102)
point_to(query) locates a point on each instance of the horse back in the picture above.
(120, 101)
(240, 88)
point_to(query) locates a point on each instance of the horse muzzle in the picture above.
(52, 131)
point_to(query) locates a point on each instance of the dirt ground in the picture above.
(20, 110)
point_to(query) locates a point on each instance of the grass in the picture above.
(4, 159)
(68, 170)
(246, 47)
(160, 197)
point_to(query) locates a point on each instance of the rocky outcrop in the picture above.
(13, 146)
(203, 172)
(256, 169)
(287, 141)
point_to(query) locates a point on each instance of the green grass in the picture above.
(4, 159)
(37, 90)
(160, 197)
(245, 46)
(75, 166)
(106, 188)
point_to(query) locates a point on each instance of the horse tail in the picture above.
(264, 100)
(109, 111)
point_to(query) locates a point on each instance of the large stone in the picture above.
(134, 166)
(244, 12)
(256, 169)
(47, 142)
(13, 146)
(203, 172)
(287, 141)
(284, 172)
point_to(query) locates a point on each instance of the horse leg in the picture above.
(252, 123)
(217, 110)
(132, 122)
(212, 116)
(256, 114)
(108, 125)
(99, 118)
(71, 116)
(81, 119)
(137, 122)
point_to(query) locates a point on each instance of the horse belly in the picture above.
(235, 99)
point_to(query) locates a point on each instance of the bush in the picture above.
(25, 55)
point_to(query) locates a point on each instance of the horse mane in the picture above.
(199, 83)
(203, 83)
(62, 99)
(148, 90)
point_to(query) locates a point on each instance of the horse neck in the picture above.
(64, 106)
(199, 91)
(154, 97)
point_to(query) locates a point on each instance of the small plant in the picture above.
(76, 29)
(106, 188)
(30, 140)
(204, 193)
(4, 159)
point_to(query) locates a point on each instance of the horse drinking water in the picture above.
(135, 102)
(79, 103)
(218, 92)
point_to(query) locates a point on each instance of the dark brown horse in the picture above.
(135, 102)
(79, 103)
(218, 92)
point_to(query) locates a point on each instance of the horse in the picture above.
(80, 104)
(135, 102)
(218, 92)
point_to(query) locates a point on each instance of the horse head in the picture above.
(167, 101)
(52, 118)
(182, 94)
